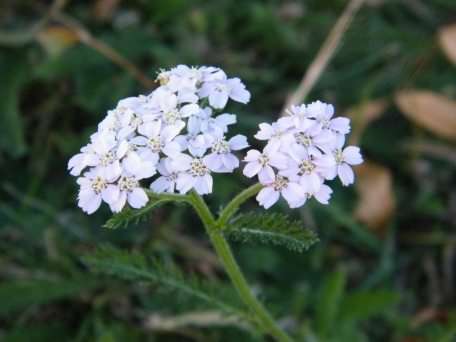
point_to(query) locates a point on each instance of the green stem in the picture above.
(223, 251)
(235, 203)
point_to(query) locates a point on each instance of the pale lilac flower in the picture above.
(219, 91)
(262, 164)
(193, 173)
(167, 180)
(221, 159)
(278, 134)
(344, 158)
(129, 191)
(100, 152)
(291, 191)
(309, 170)
(323, 113)
(95, 188)
(155, 139)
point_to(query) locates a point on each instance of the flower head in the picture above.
(303, 151)
(173, 130)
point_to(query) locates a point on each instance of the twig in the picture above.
(86, 37)
(21, 37)
(324, 55)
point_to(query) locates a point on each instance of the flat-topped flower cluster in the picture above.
(304, 149)
(179, 131)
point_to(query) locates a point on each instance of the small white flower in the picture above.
(167, 180)
(344, 158)
(129, 191)
(95, 188)
(278, 134)
(323, 112)
(309, 170)
(221, 159)
(262, 164)
(155, 139)
(193, 173)
(291, 191)
(219, 91)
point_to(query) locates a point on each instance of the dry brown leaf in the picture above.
(429, 110)
(377, 202)
(55, 39)
(364, 114)
(447, 41)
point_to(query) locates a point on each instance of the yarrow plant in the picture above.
(172, 141)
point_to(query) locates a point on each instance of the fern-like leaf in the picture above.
(128, 216)
(274, 228)
(134, 267)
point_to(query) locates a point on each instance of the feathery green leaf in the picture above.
(274, 228)
(133, 266)
(21, 294)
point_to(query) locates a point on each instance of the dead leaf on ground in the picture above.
(447, 41)
(429, 110)
(377, 202)
(364, 114)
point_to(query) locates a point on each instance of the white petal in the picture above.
(150, 129)
(161, 184)
(252, 155)
(230, 162)
(324, 194)
(340, 125)
(311, 182)
(267, 197)
(251, 169)
(238, 142)
(90, 204)
(185, 182)
(265, 132)
(266, 175)
(189, 109)
(110, 194)
(113, 171)
(181, 162)
(293, 194)
(278, 160)
(147, 170)
(202, 186)
(346, 174)
(137, 198)
(122, 149)
(120, 203)
(218, 99)
(225, 119)
(213, 161)
(352, 155)
(132, 163)
(172, 148)
(238, 92)
(138, 141)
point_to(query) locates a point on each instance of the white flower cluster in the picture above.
(178, 130)
(304, 149)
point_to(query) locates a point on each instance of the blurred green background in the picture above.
(384, 269)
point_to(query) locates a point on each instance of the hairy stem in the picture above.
(223, 250)
(235, 203)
